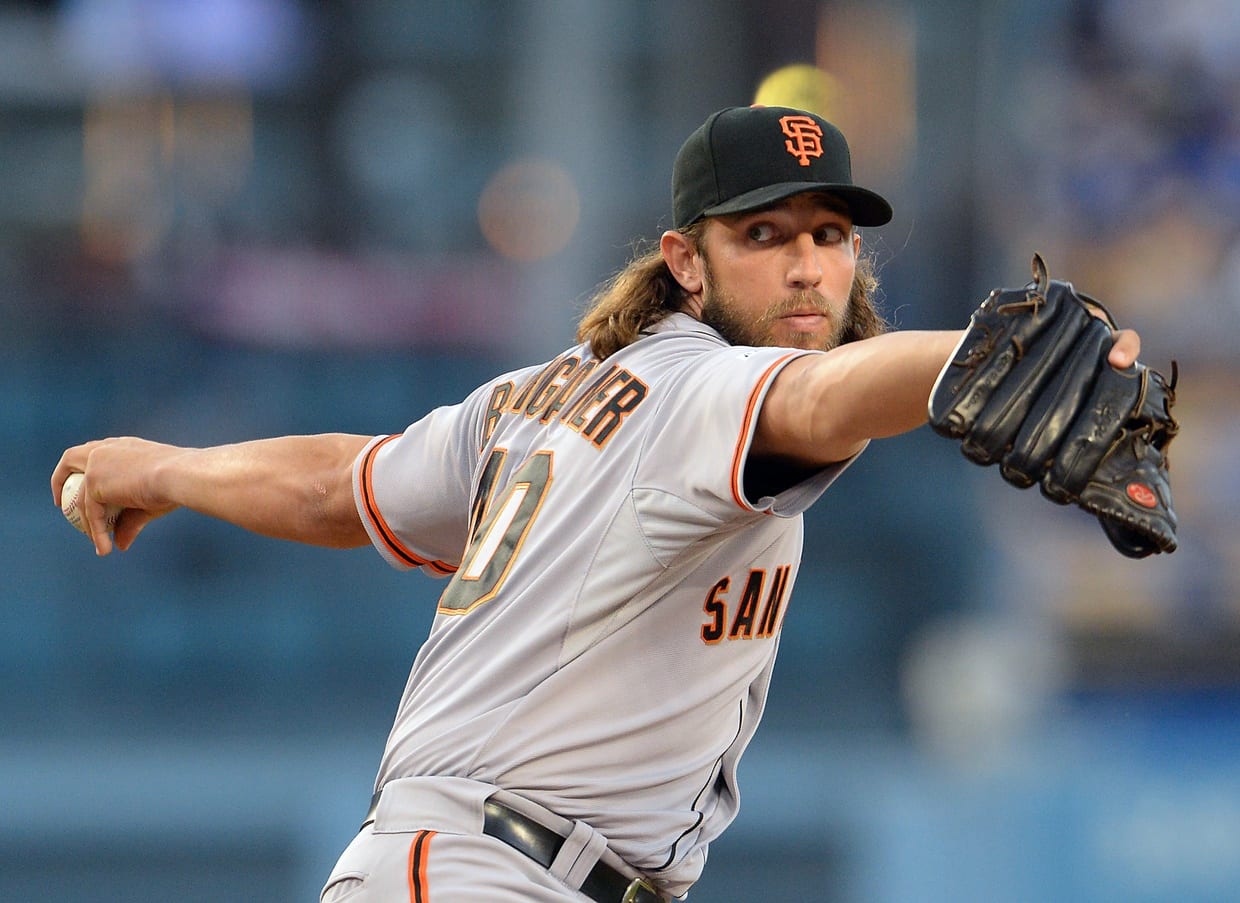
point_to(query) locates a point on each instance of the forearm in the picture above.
(295, 487)
(824, 408)
(880, 387)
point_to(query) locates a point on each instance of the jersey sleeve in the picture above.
(412, 489)
(709, 424)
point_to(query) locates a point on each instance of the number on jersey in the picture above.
(498, 530)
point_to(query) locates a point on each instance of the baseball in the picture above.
(70, 504)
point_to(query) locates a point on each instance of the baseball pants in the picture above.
(426, 845)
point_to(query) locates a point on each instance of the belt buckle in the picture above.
(636, 886)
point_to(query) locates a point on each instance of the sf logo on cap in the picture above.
(804, 137)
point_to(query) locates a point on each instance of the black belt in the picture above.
(603, 885)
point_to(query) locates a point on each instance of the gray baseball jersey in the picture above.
(605, 642)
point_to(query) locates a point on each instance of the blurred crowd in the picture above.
(1126, 176)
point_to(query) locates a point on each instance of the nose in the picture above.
(804, 269)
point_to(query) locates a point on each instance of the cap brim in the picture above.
(866, 207)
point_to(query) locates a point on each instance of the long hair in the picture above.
(645, 292)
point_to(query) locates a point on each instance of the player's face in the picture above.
(780, 276)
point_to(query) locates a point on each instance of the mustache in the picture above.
(807, 301)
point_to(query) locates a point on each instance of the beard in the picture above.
(858, 320)
(721, 312)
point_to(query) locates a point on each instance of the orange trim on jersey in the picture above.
(386, 533)
(419, 856)
(751, 410)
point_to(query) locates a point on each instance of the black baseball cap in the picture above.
(743, 158)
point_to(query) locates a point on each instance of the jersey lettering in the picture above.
(538, 391)
(522, 395)
(605, 404)
(495, 407)
(746, 618)
(570, 386)
(620, 405)
(596, 414)
(742, 625)
(774, 602)
(575, 415)
(547, 387)
(503, 527)
(717, 609)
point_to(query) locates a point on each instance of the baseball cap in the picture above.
(743, 158)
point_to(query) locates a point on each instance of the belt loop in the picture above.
(370, 813)
(581, 850)
(637, 891)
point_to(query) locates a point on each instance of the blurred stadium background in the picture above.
(226, 219)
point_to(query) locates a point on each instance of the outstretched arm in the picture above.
(295, 487)
(824, 408)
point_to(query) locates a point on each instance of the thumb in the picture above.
(1127, 348)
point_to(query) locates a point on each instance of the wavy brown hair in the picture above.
(645, 292)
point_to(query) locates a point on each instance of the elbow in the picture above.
(336, 523)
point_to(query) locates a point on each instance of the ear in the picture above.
(682, 259)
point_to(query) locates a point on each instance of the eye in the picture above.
(762, 232)
(829, 235)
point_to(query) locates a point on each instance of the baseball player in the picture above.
(620, 530)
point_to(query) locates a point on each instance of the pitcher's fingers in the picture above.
(95, 516)
(73, 460)
(1126, 350)
(130, 523)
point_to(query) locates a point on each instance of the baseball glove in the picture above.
(1029, 388)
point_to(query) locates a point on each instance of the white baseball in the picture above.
(71, 503)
